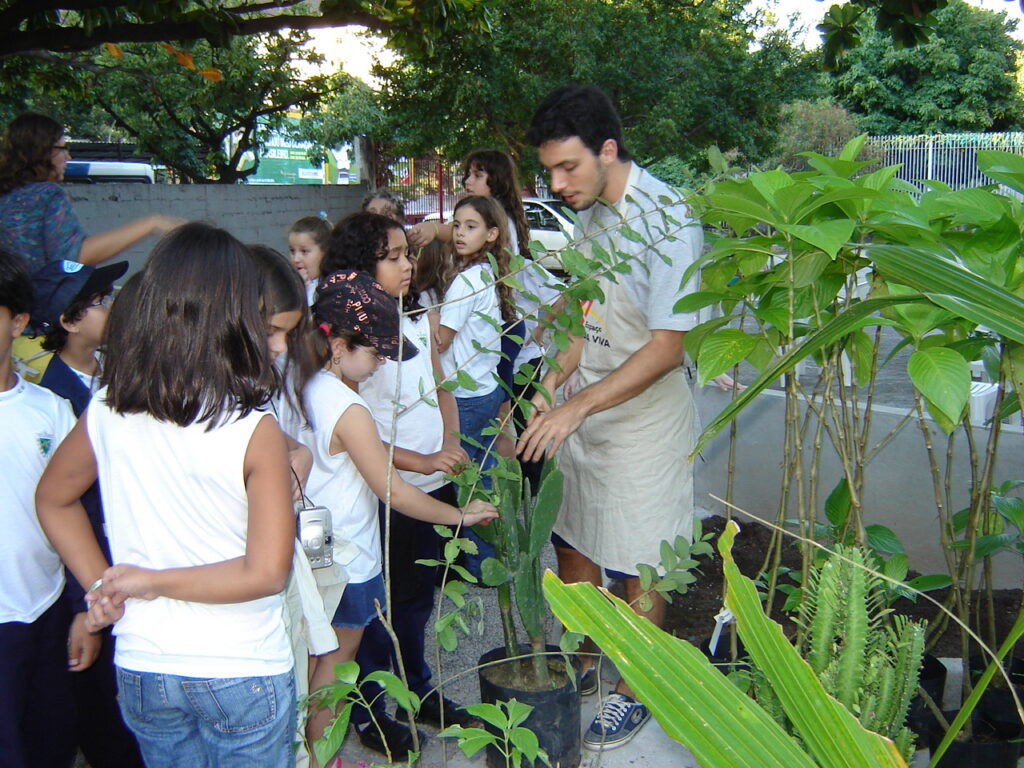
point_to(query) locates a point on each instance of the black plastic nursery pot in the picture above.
(721, 658)
(933, 681)
(997, 707)
(986, 750)
(556, 712)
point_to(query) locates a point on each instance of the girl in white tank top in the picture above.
(195, 484)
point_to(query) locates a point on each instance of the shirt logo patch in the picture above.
(45, 444)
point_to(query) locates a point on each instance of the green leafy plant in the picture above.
(519, 534)
(511, 739)
(342, 694)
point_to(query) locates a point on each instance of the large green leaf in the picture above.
(694, 702)
(943, 377)
(832, 734)
(722, 350)
(844, 323)
(829, 236)
(1005, 167)
(933, 272)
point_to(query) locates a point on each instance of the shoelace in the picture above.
(614, 710)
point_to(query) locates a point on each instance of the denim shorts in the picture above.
(190, 722)
(475, 415)
(356, 609)
(561, 543)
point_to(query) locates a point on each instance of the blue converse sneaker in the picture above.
(618, 720)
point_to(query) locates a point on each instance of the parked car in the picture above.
(107, 171)
(549, 224)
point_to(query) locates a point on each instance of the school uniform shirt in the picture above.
(34, 422)
(175, 497)
(334, 481)
(471, 310)
(420, 426)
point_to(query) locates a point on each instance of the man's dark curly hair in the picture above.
(578, 110)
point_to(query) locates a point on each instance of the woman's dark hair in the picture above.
(57, 337)
(503, 181)
(316, 227)
(393, 200)
(282, 290)
(491, 212)
(584, 111)
(15, 283)
(186, 339)
(26, 150)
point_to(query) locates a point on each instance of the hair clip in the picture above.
(325, 328)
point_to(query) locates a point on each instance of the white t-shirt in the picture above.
(34, 422)
(669, 233)
(471, 299)
(174, 497)
(542, 285)
(420, 426)
(335, 483)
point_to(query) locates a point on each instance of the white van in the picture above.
(108, 171)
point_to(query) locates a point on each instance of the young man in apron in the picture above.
(625, 430)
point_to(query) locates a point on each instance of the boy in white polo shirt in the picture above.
(35, 696)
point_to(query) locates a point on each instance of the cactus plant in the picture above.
(519, 533)
(864, 656)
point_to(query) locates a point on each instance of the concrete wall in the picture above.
(253, 213)
(898, 485)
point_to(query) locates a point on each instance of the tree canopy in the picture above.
(683, 77)
(79, 25)
(961, 79)
(197, 110)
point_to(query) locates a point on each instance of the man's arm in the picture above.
(657, 357)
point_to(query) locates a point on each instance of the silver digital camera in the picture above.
(315, 534)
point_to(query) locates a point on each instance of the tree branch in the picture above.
(15, 42)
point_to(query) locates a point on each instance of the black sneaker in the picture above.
(397, 736)
(589, 681)
(430, 713)
(617, 721)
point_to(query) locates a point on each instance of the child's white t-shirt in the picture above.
(35, 420)
(174, 497)
(420, 426)
(471, 299)
(334, 481)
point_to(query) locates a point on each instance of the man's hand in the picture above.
(83, 645)
(548, 428)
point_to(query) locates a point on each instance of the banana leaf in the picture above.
(936, 274)
(694, 702)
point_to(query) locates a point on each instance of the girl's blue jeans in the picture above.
(476, 413)
(188, 722)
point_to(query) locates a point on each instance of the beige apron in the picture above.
(628, 482)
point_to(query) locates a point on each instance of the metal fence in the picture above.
(951, 158)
